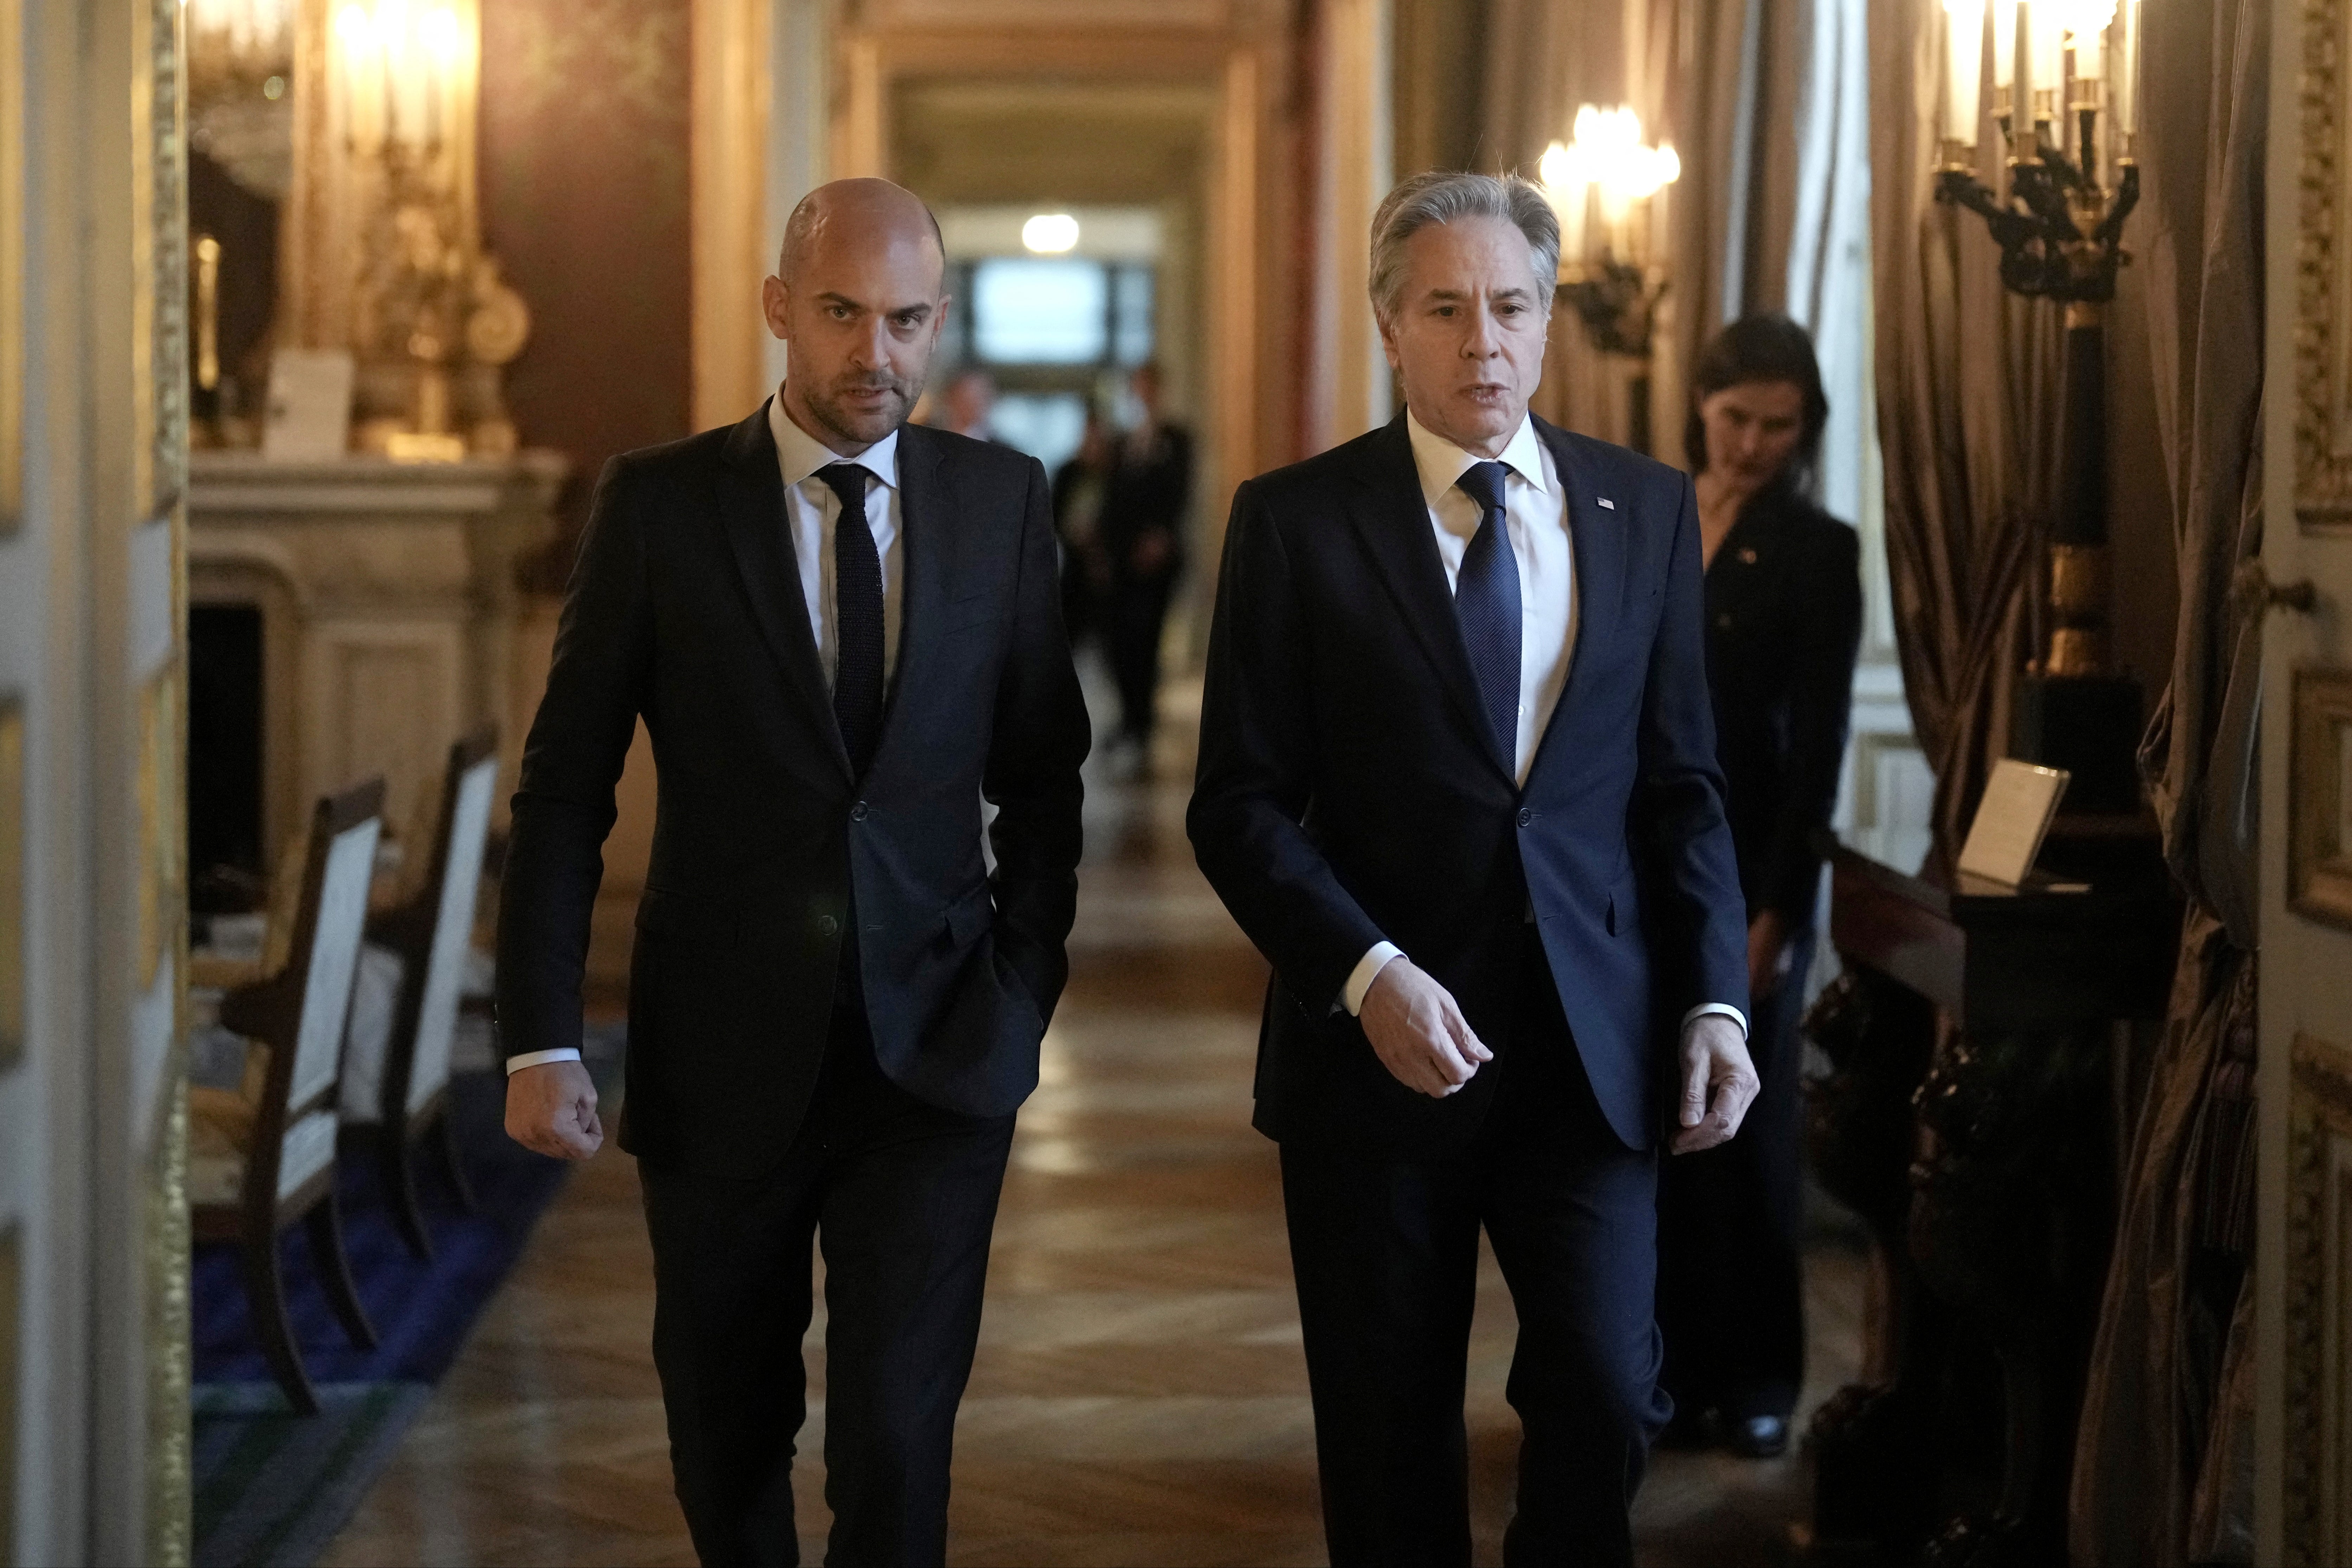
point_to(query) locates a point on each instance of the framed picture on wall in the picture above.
(2319, 796)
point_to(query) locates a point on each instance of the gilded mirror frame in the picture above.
(2322, 371)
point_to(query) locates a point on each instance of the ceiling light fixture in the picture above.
(1050, 234)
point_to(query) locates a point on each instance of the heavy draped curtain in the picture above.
(1968, 420)
(1730, 83)
(2163, 1464)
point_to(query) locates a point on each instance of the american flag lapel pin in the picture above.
(1604, 500)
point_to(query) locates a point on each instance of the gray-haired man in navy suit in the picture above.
(1457, 782)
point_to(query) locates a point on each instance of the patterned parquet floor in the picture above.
(1139, 1398)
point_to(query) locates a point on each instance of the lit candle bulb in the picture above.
(1562, 172)
(2089, 25)
(2045, 61)
(2004, 50)
(1964, 68)
(2125, 89)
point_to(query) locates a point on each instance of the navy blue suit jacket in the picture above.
(1348, 791)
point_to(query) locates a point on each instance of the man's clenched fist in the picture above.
(551, 1109)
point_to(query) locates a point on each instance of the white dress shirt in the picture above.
(1535, 514)
(810, 509)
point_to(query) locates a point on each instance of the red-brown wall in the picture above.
(585, 144)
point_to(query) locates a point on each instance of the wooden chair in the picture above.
(261, 1161)
(432, 931)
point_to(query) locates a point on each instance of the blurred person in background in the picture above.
(1081, 486)
(966, 404)
(1783, 621)
(1143, 531)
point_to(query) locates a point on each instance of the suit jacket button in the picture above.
(1526, 817)
(858, 811)
(827, 926)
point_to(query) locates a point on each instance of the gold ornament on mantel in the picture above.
(432, 322)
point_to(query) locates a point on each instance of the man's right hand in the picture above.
(551, 1109)
(1418, 1033)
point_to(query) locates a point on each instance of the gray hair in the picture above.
(1441, 197)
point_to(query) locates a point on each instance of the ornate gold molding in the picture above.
(2319, 1114)
(2323, 335)
(161, 243)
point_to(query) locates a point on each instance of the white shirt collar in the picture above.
(801, 454)
(1441, 463)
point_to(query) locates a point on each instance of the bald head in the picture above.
(866, 209)
(857, 299)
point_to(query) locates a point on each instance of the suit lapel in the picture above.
(751, 502)
(1597, 543)
(927, 553)
(1391, 519)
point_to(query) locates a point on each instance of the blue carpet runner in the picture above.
(272, 1487)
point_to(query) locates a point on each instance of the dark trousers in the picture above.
(1138, 612)
(1386, 1255)
(902, 1197)
(1731, 1288)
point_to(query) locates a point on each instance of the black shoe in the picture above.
(1758, 1437)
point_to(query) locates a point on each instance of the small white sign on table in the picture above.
(2020, 799)
(310, 414)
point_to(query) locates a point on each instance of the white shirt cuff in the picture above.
(1725, 1008)
(1368, 969)
(533, 1058)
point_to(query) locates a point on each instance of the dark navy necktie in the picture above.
(1486, 602)
(857, 617)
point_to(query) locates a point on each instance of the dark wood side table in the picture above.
(1969, 1119)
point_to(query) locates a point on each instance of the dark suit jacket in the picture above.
(685, 607)
(1783, 620)
(1347, 790)
(1147, 494)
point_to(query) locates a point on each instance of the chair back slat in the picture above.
(453, 928)
(333, 964)
(306, 1147)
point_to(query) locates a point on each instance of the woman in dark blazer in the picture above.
(1783, 621)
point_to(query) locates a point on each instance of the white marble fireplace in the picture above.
(391, 619)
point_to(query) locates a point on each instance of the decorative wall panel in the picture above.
(2319, 797)
(2322, 383)
(2318, 1511)
(12, 1375)
(11, 886)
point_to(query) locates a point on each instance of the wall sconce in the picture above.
(1613, 272)
(2066, 99)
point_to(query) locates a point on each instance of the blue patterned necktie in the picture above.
(1486, 602)
(857, 617)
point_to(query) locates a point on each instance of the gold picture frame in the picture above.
(2319, 796)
